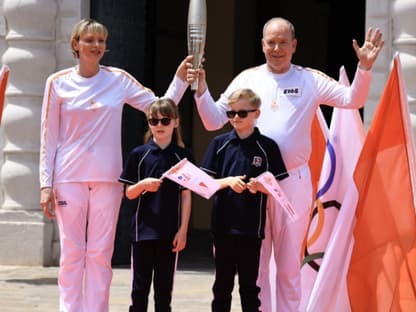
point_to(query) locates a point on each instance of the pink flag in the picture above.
(4, 76)
(191, 177)
(272, 186)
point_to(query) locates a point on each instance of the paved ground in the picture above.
(27, 289)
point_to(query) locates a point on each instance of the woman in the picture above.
(80, 162)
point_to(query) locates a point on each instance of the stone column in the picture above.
(29, 52)
(378, 16)
(404, 42)
(397, 21)
(34, 39)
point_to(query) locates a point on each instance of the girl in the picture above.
(160, 224)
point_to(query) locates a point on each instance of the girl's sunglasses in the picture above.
(241, 113)
(155, 121)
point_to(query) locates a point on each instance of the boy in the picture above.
(238, 216)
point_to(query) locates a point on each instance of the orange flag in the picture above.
(382, 272)
(4, 76)
(319, 136)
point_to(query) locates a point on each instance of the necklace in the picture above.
(275, 103)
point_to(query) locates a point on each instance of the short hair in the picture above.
(84, 26)
(246, 94)
(167, 108)
(280, 19)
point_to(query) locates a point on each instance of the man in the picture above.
(290, 95)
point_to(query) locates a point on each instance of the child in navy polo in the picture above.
(238, 216)
(160, 224)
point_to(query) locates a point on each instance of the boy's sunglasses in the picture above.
(241, 113)
(155, 121)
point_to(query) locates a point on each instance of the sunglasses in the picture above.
(155, 121)
(241, 113)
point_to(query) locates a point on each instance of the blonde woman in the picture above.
(80, 162)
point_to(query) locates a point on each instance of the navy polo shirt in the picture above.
(158, 213)
(228, 155)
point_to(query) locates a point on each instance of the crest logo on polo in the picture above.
(257, 160)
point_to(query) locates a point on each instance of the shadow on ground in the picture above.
(197, 256)
(34, 281)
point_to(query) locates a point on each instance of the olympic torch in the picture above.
(197, 27)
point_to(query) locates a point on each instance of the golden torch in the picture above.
(197, 27)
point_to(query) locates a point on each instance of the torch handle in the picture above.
(197, 25)
(196, 43)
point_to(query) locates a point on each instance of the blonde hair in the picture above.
(86, 25)
(167, 108)
(246, 94)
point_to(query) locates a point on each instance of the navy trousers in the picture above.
(236, 254)
(153, 258)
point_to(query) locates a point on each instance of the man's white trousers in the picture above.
(279, 276)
